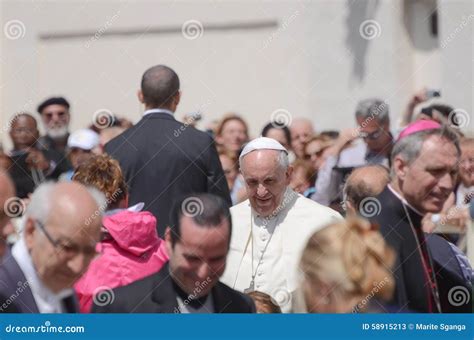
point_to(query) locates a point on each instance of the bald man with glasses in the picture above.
(58, 242)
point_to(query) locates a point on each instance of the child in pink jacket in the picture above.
(130, 248)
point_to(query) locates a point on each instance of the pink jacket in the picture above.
(133, 252)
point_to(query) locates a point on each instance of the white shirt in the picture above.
(46, 300)
(157, 111)
(277, 273)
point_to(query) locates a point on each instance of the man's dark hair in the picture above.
(14, 119)
(53, 101)
(276, 125)
(160, 84)
(206, 210)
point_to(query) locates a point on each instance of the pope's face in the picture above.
(265, 180)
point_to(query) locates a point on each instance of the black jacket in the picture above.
(156, 294)
(15, 292)
(411, 282)
(162, 159)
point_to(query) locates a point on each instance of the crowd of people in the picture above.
(161, 217)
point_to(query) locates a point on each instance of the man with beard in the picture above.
(55, 115)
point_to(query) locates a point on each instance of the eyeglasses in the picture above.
(373, 135)
(66, 249)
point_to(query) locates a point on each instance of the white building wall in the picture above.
(306, 57)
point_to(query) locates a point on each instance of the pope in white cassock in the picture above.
(272, 227)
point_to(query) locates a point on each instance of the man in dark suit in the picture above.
(197, 242)
(163, 158)
(424, 167)
(7, 207)
(62, 227)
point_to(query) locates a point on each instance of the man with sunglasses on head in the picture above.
(62, 227)
(368, 144)
(55, 116)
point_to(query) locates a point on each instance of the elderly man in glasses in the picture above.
(368, 144)
(59, 240)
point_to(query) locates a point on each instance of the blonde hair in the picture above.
(352, 257)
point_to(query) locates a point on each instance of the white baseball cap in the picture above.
(84, 139)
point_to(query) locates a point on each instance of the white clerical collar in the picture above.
(158, 111)
(46, 300)
(404, 201)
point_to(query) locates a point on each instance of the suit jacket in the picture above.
(15, 292)
(156, 294)
(162, 159)
(411, 282)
